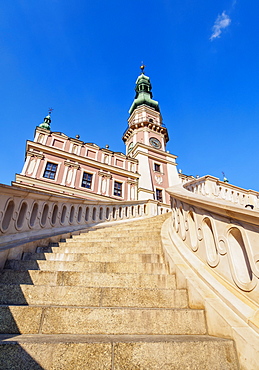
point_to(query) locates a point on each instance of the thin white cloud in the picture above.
(222, 21)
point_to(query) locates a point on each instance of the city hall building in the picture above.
(69, 166)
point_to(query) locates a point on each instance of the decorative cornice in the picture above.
(151, 126)
(33, 154)
(146, 191)
(131, 182)
(155, 158)
(71, 164)
(104, 174)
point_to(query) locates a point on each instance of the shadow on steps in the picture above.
(12, 355)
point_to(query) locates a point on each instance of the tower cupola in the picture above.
(145, 122)
(143, 93)
(47, 121)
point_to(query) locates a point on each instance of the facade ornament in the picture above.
(158, 179)
(131, 182)
(34, 154)
(71, 164)
(105, 174)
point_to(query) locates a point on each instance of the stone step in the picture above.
(125, 227)
(101, 248)
(113, 238)
(93, 279)
(95, 257)
(88, 320)
(123, 231)
(135, 231)
(117, 267)
(142, 223)
(101, 352)
(118, 234)
(92, 297)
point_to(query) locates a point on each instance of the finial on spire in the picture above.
(142, 67)
(50, 111)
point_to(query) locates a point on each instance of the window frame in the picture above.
(157, 167)
(86, 180)
(117, 190)
(50, 171)
(161, 200)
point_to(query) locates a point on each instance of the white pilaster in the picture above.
(25, 166)
(36, 167)
(74, 178)
(63, 182)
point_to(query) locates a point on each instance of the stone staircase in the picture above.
(103, 300)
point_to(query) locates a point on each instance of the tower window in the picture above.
(151, 120)
(117, 189)
(159, 195)
(157, 167)
(87, 180)
(50, 171)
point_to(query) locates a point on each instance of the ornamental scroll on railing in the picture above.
(223, 236)
(30, 215)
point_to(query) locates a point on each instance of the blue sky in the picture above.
(82, 59)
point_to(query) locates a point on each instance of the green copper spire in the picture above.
(143, 93)
(47, 121)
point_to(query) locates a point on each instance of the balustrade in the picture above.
(28, 215)
(211, 242)
(214, 188)
(223, 236)
(229, 246)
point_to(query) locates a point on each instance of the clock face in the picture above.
(130, 147)
(155, 142)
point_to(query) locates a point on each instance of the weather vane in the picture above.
(224, 177)
(50, 111)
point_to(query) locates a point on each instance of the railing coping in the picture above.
(218, 205)
(219, 182)
(27, 193)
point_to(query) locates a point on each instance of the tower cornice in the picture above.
(156, 128)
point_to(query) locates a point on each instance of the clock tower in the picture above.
(145, 140)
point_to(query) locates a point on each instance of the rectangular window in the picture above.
(157, 167)
(159, 195)
(50, 171)
(87, 180)
(117, 189)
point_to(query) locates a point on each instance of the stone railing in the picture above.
(27, 215)
(216, 242)
(213, 188)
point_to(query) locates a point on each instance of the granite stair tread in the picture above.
(95, 257)
(92, 279)
(92, 296)
(121, 267)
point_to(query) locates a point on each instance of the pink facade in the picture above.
(69, 166)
